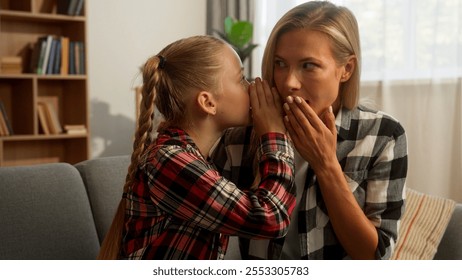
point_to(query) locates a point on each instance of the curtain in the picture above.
(411, 69)
(218, 10)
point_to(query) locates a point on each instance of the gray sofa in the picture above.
(60, 211)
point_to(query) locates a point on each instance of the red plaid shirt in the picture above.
(182, 208)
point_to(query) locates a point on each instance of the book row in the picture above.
(57, 55)
(47, 109)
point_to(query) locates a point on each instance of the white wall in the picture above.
(121, 35)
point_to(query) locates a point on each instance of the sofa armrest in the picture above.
(104, 179)
(450, 247)
(45, 214)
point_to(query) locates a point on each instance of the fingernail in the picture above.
(290, 99)
(298, 99)
(286, 106)
(330, 109)
(286, 118)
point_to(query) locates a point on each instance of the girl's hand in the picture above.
(267, 110)
(314, 138)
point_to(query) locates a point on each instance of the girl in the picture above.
(175, 204)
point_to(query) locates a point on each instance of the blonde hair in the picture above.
(339, 24)
(169, 77)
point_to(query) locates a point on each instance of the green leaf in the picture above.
(229, 22)
(241, 33)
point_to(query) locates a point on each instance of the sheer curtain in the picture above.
(411, 69)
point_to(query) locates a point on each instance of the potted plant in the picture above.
(238, 34)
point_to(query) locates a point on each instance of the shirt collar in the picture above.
(343, 122)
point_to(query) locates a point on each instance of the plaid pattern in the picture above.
(372, 151)
(182, 208)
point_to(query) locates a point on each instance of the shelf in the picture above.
(43, 77)
(39, 137)
(38, 17)
(22, 24)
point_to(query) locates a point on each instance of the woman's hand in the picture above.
(267, 113)
(314, 138)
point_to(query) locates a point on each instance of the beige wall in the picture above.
(122, 34)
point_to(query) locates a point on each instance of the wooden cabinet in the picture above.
(22, 23)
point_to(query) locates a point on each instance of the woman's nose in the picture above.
(293, 81)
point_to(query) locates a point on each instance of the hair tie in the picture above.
(162, 61)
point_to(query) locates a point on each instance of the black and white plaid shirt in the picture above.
(372, 150)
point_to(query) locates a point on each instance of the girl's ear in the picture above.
(207, 103)
(348, 68)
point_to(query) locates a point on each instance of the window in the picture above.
(400, 39)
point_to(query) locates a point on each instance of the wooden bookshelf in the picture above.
(22, 23)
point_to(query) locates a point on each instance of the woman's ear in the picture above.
(348, 68)
(207, 103)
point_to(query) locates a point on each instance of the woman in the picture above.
(175, 204)
(351, 161)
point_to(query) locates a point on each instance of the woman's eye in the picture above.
(279, 63)
(308, 65)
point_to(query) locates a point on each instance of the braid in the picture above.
(142, 139)
(110, 248)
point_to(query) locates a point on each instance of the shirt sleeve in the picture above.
(185, 186)
(385, 191)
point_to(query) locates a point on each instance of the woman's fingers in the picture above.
(298, 119)
(307, 111)
(296, 123)
(329, 120)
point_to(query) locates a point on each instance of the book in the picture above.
(3, 128)
(57, 64)
(77, 57)
(43, 47)
(6, 119)
(49, 40)
(52, 57)
(79, 8)
(71, 58)
(75, 129)
(11, 64)
(43, 118)
(72, 6)
(64, 55)
(51, 108)
(82, 57)
(74, 126)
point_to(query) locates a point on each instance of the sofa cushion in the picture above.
(422, 226)
(104, 179)
(45, 214)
